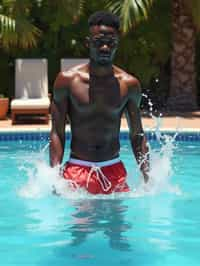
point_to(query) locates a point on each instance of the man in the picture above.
(94, 96)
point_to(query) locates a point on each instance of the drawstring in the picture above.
(103, 180)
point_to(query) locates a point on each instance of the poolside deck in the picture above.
(183, 121)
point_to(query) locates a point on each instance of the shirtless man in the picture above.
(94, 96)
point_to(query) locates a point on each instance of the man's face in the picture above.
(103, 43)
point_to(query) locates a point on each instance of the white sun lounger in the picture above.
(31, 88)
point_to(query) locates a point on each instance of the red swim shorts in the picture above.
(97, 177)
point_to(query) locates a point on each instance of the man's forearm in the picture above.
(56, 149)
(141, 151)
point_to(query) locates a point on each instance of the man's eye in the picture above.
(108, 41)
(95, 40)
(114, 41)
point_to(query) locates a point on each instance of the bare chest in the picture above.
(98, 94)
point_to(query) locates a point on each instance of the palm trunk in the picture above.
(183, 95)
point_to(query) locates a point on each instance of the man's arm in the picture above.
(59, 109)
(137, 137)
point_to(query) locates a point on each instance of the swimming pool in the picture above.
(145, 227)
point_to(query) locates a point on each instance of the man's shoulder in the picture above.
(130, 80)
(65, 78)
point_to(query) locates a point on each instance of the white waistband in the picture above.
(99, 164)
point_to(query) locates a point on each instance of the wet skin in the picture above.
(94, 96)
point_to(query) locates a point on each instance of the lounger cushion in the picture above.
(30, 103)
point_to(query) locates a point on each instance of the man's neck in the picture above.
(100, 70)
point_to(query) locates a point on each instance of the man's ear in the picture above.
(86, 42)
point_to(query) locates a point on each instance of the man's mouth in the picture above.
(104, 55)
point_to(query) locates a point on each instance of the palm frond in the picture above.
(17, 30)
(6, 23)
(25, 36)
(131, 12)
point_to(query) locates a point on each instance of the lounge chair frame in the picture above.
(31, 111)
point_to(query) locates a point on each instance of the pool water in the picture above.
(139, 228)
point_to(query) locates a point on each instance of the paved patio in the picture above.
(183, 121)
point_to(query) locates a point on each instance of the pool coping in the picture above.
(43, 134)
(122, 129)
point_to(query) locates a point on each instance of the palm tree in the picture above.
(185, 23)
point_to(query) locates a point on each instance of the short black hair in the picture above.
(104, 18)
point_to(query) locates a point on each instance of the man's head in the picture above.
(103, 40)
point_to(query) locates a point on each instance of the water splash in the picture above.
(44, 180)
(161, 168)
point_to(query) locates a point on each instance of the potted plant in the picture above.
(4, 103)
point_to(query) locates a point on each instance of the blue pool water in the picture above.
(153, 226)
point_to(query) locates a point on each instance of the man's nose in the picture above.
(105, 47)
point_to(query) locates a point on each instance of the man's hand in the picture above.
(141, 151)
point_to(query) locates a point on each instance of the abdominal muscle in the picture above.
(95, 144)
